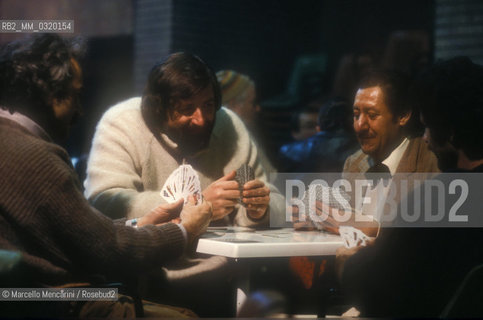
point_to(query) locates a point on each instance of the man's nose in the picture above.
(198, 118)
(361, 123)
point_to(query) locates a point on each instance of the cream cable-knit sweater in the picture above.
(128, 166)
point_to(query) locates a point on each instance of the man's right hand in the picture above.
(195, 218)
(330, 223)
(163, 213)
(223, 195)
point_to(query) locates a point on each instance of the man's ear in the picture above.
(403, 119)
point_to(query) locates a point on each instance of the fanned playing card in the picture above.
(353, 237)
(244, 174)
(333, 197)
(182, 182)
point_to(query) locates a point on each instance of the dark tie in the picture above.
(377, 172)
(379, 168)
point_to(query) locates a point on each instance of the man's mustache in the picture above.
(365, 136)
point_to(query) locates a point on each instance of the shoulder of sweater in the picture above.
(126, 117)
(128, 110)
(226, 114)
(226, 121)
(31, 151)
(19, 135)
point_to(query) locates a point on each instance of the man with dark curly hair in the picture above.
(41, 79)
(43, 214)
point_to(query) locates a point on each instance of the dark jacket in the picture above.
(44, 215)
(413, 272)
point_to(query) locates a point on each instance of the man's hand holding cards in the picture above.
(182, 183)
(223, 194)
(255, 196)
(237, 187)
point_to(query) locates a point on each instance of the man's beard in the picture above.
(190, 141)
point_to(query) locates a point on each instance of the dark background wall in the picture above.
(259, 38)
(263, 38)
(458, 29)
(358, 26)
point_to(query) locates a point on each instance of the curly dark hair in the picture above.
(36, 70)
(179, 76)
(450, 96)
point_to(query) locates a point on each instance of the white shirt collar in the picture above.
(392, 161)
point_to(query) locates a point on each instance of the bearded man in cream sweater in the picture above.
(179, 119)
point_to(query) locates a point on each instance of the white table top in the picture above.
(239, 242)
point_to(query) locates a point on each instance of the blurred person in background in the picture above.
(238, 94)
(327, 150)
(303, 123)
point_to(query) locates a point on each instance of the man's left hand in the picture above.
(256, 196)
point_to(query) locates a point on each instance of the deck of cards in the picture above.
(182, 182)
(244, 174)
(332, 197)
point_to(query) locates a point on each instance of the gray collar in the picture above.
(25, 122)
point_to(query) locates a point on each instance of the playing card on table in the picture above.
(182, 182)
(244, 174)
(353, 237)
